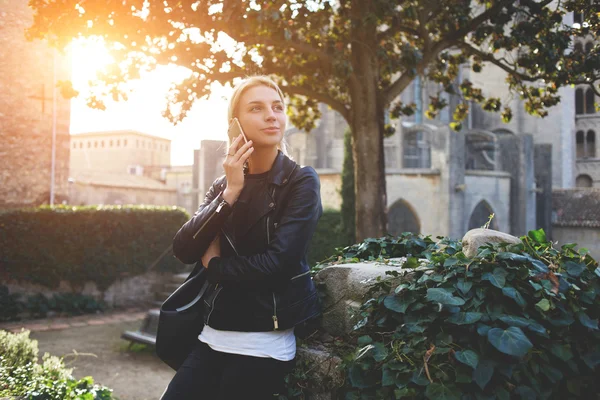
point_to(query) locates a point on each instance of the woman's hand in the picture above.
(234, 168)
(214, 250)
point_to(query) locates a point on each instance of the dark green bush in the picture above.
(10, 305)
(82, 244)
(21, 375)
(516, 321)
(327, 237)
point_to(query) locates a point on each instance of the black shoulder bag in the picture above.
(181, 319)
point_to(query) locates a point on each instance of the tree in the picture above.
(357, 56)
(348, 223)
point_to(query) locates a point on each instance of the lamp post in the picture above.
(54, 112)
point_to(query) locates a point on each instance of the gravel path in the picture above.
(132, 374)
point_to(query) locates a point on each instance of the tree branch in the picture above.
(322, 97)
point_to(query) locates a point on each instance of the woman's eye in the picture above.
(255, 108)
(279, 108)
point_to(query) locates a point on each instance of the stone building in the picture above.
(120, 167)
(29, 72)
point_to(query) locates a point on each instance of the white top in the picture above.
(280, 345)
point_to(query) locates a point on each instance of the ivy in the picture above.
(515, 321)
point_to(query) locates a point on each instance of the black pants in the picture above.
(212, 375)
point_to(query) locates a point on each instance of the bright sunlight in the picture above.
(142, 112)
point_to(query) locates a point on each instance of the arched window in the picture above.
(579, 101)
(402, 218)
(590, 144)
(590, 107)
(580, 144)
(584, 181)
(481, 215)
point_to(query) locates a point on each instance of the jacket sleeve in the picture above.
(288, 246)
(194, 237)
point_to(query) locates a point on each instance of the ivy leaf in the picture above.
(379, 351)
(513, 320)
(597, 271)
(539, 236)
(482, 329)
(587, 321)
(512, 257)
(397, 304)
(514, 294)
(444, 297)
(592, 360)
(404, 392)
(464, 318)
(364, 340)
(463, 286)
(436, 391)
(451, 261)
(543, 305)
(574, 269)
(537, 328)
(357, 379)
(502, 394)
(483, 373)
(468, 357)
(496, 278)
(562, 351)
(525, 392)
(511, 341)
(388, 378)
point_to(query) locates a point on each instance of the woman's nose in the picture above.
(270, 115)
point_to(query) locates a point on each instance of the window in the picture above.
(584, 181)
(585, 105)
(417, 153)
(585, 144)
(74, 145)
(590, 107)
(137, 143)
(102, 143)
(118, 143)
(81, 145)
(111, 143)
(89, 144)
(578, 18)
(124, 142)
(579, 101)
(96, 143)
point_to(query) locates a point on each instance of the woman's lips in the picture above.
(271, 129)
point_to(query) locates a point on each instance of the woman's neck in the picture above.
(262, 160)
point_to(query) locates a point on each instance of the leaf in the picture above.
(413, 327)
(592, 360)
(543, 305)
(513, 320)
(539, 236)
(482, 329)
(404, 392)
(525, 392)
(379, 351)
(502, 394)
(537, 328)
(483, 373)
(514, 294)
(597, 271)
(463, 286)
(496, 278)
(574, 269)
(356, 375)
(587, 321)
(364, 340)
(562, 351)
(388, 377)
(511, 341)
(468, 357)
(451, 261)
(436, 391)
(512, 257)
(397, 304)
(464, 318)
(444, 297)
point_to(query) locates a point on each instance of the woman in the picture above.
(251, 233)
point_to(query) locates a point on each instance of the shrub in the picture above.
(10, 305)
(327, 237)
(21, 375)
(516, 321)
(82, 244)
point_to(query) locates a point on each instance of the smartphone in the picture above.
(235, 129)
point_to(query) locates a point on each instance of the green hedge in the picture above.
(80, 244)
(327, 237)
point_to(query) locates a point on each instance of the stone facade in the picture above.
(26, 113)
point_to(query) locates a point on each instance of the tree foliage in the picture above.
(357, 56)
(515, 321)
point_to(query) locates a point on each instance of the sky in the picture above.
(142, 112)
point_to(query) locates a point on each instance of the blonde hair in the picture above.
(240, 88)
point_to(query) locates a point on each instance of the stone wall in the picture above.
(492, 187)
(585, 237)
(84, 194)
(331, 183)
(26, 72)
(126, 292)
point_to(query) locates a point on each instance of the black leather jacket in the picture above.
(261, 282)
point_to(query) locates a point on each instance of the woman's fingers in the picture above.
(234, 145)
(246, 154)
(241, 152)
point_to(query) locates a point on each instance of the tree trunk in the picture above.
(367, 122)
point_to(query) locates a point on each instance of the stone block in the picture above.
(344, 286)
(325, 375)
(476, 238)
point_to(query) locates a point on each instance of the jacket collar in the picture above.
(282, 169)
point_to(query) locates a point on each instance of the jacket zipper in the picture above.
(230, 242)
(268, 217)
(275, 322)
(219, 207)
(212, 307)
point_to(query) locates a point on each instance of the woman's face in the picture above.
(262, 116)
